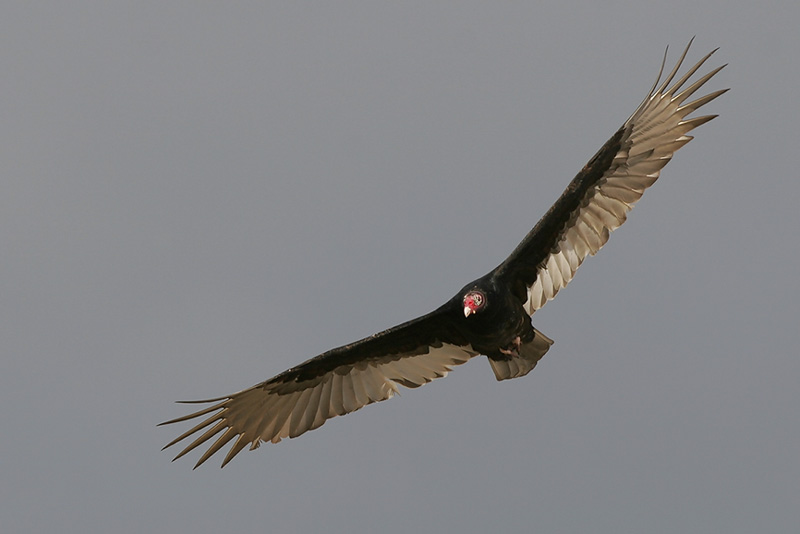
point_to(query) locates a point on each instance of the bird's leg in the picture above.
(513, 347)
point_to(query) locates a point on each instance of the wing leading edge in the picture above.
(337, 382)
(599, 198)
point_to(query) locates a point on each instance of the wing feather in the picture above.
(311, 411)
(338, 382)
(300, 411)
(337, 397)
(323, 411)
(349, 393)
(237, 447)
(598, 200)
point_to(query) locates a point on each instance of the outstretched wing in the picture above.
(598, 199)
(337, 382)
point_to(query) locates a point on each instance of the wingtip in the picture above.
(201, 461)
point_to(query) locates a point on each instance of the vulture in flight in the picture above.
(489, 316)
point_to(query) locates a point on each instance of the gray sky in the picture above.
(197, 198)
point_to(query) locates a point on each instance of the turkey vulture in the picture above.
(490, 316)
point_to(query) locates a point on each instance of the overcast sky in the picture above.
(196, 198)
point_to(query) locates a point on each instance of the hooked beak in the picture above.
(468, 311)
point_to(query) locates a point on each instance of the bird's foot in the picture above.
(513, 348)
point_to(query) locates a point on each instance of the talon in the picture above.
(513, 349)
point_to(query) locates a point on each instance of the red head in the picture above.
(473, 302)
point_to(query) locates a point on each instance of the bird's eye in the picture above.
(477, 298)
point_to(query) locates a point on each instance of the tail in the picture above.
(529, 354)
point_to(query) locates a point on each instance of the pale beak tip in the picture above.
(467, 311)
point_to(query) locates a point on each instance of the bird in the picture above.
(490, 316)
